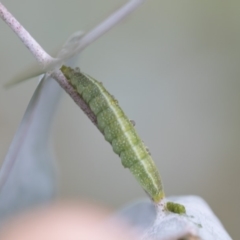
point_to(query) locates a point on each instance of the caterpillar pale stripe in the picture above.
(118, 130)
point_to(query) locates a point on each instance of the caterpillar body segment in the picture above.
(118, 131)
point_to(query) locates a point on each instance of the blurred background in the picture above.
(174, 66)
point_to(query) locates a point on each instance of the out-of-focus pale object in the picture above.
(199, 222)
(27, 175)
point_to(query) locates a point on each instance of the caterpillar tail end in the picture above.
(158, 197)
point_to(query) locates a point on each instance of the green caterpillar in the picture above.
(118, 131)
(175, 208)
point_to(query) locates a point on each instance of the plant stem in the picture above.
(63, 82)
(45, 59)
(107, 24)
(37, 51)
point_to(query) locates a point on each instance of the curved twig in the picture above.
(51, 64)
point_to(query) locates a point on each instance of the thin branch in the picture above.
(106, 25)
(37, 51)
(46, 60)
(63, 82)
